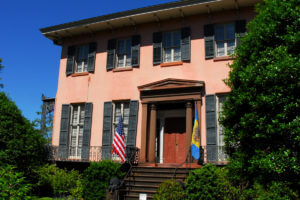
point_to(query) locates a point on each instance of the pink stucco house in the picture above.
(154, 66)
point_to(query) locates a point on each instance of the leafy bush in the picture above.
(59, 182)
(210, 182)
(12, 184)
(97, 176)
(169, 190)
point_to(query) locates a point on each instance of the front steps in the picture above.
(146, 180)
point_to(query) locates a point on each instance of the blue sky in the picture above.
(31, 60)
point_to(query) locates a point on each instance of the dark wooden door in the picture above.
(174, 140)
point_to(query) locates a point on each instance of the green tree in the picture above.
(48, 125)
(261, 114)
(1, 67)
(20, 144)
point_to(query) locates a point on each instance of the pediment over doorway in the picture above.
(171, 90)
(171, 83)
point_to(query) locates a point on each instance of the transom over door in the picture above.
(174, 140)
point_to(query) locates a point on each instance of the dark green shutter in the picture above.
(157, 48)
(132, 124)
(135, 50)
(92, 57)
(111, 54)
(88, 111)
(107, 131)
(240, 30)
(211, 128)
(64, 132)
(185, 44)
(209, 41)
(70, 60)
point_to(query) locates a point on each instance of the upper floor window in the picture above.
(81, 58)
(172, 46)
(172, 51)
(123, 52)
(225, 39)
(221, 39)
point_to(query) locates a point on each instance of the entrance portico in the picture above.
(167, 119)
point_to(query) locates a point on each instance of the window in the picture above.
(81, 58)
(221, 39)
(224, 39)
(120, 109)
(123, 53)
(171, 46)
(221, 132)
(76, 130)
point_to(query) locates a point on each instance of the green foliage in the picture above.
(210, 182)
(169, 190)
(48, 125)
(261, 114)
(12, 184)
(97, 177)
(20, 144)
(59, 182)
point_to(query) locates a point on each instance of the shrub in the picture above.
(59, 182)
(169, 190)
(12, 184)
(97, 176)
(210, 182)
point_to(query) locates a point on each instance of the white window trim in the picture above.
(225, 40)
(220, 148)
(77, 125)
(115, 124)
(172, 47)
(124, 54)
(81, 62)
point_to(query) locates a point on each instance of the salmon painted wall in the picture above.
(103, 85)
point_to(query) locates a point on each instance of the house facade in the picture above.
(154, 66)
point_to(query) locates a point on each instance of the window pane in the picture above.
(75, 115)
(121, 46)
(83, 52)
(167, 55)
(126, 113)
(128, 46)
(176, 38)
(120, 60)
(230, 47)
(79, 66)
(177, 54)
(230, 31)
(219, 32)
(167, 39)
(81, 114)
(117, 112)
(220, 49)
(85, 66)
(125, 132)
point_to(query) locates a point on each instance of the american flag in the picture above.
(119, 141)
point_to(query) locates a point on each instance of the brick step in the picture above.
(143, 182)
(134, 197)
(141, 187)
(160, 169)
(154, 178)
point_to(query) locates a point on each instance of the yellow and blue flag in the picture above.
(196, 138)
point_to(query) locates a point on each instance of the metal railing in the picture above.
(96, 153)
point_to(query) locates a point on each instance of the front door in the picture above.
(174, 140)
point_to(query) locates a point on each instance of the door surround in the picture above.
(167, 90)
